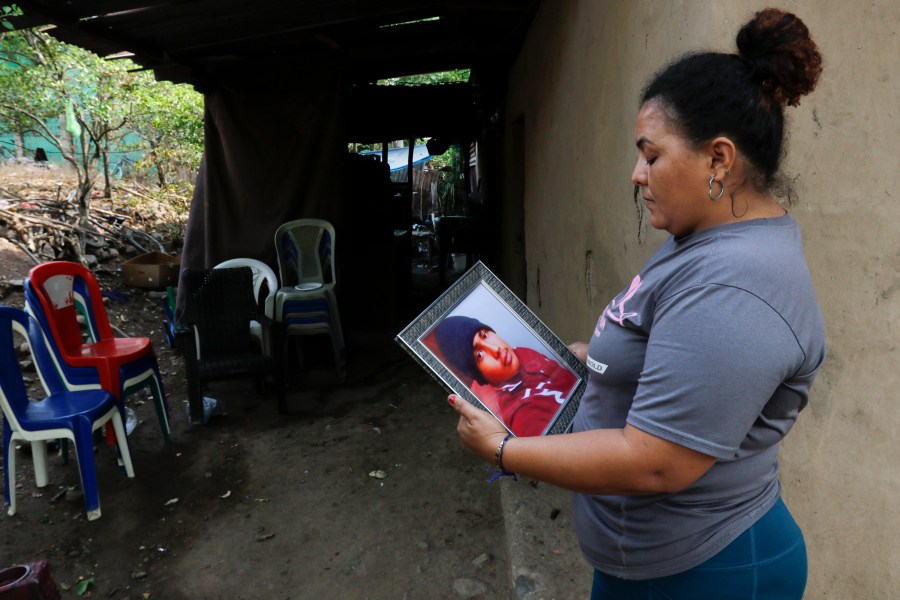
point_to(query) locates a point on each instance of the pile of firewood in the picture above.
(43, 221)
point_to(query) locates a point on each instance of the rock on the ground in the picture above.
(465, 587)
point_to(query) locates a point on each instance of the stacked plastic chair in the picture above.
(55, 292)
(214, 333)
(262, 275)
(62, 414)
(306, 303)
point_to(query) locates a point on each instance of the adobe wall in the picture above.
(575, 86)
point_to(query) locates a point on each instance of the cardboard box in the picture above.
(153, 270)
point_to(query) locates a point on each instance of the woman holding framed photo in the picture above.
(699, 368)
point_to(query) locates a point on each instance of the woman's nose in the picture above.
(639, 174)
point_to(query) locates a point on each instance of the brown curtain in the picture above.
(275, 150)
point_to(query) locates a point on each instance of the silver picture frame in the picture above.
(479, 294)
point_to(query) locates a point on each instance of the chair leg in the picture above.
(110, 435)
(337, 339)
(84, 450)
(153, 379)
(39, 459)
(340, 359)
(122, 439)
(195, 402)
(162, 406)
(9, 469)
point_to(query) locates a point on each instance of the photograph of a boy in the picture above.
(523, 387)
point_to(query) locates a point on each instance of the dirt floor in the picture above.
(363, 491)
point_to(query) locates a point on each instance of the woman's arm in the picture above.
(601, 462)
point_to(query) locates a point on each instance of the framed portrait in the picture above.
(484, 344)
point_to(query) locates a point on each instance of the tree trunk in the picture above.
(104, 156)
(160, 171)
(19, 143)
(65, 138)
(83, 201)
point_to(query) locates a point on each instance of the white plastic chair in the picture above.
(306, 302)
(262, 273)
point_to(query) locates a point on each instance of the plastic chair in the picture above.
(214, 332)
(54, 293)
(72, 415)
(306, 302)
(262, 274)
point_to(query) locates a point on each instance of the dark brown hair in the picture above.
(743, 95)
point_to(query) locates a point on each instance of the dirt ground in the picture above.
(261, 505)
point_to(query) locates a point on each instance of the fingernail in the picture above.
(452, 399)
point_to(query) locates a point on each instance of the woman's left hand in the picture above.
(478, 429)
(580, 350)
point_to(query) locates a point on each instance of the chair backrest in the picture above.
(74, 378)
(61, 290)
(305, 249)
(262, 274)
(219, 306)
(13, 393)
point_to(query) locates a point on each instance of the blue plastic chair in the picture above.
(63, 414)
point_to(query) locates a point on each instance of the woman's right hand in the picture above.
(478, 429)
(579, 349)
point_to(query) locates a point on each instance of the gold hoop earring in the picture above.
(721, 190)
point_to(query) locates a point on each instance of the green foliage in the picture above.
(9, 10)
(168, 121)
(456, 76)
(108, 103)
(41, 78)
(451, 189)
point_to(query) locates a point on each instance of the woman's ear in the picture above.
(722, 155)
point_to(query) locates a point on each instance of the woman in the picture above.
(699, 368)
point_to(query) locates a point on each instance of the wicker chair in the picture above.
(214, 333)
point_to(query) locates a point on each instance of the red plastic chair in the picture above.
(55, 292)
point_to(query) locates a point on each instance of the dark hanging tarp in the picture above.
(275, 151)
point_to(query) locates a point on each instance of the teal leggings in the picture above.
(766, 562)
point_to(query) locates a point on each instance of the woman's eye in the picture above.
(478, 356)
(650, 161)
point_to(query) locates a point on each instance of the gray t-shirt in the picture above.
(712, 346)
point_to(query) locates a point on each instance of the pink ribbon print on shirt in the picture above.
(616, 309)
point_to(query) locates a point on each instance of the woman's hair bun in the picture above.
(785, 60)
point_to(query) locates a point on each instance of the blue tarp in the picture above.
(398, 158)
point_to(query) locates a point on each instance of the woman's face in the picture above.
(497, 362)
(673, 177)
